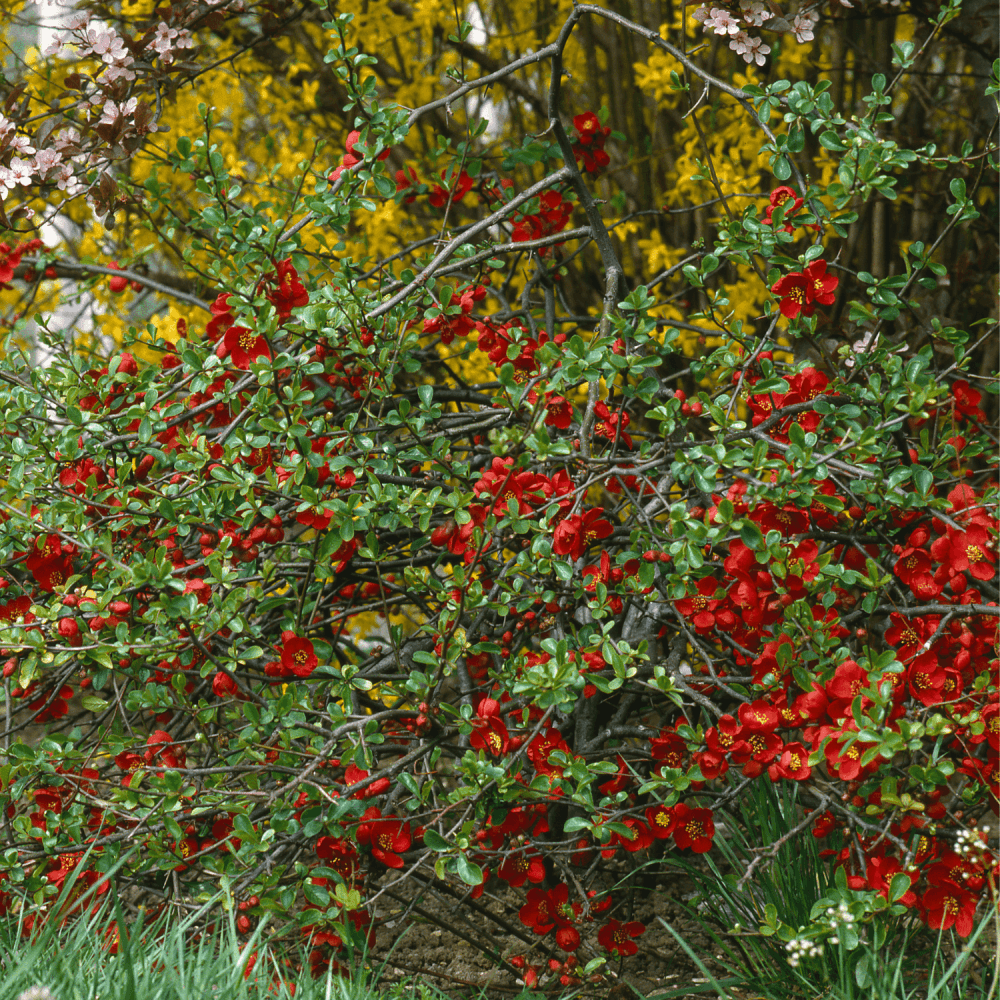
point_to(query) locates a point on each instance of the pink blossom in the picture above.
(112, 111)
(754, 12)
(21, 171)
(163, 40)
(108, 45)
(721, 22)
(752, 49)
(46, 159)
(118, 72)
(803, 24)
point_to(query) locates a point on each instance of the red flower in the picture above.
(913, 567)
(967, 552)
(781, 196)
(822, 285)
(537, 912)
(967, 400)
(284, 290)
(589, 147)
(340, 855)
(161, 747)
(990, 718)
(670, 748)
(845, 764)
(545, 910)
(459, 186)
(754, 750)
(616, 937)
(542, 746)
(354, 774)
(638, 838)
(693, 828)
(661, 821)
(243, 346)
(490, 733)
(387, 836)
(880, 873)
(926, 676)
(798, 290)
(847, 683)
(222, 316)
(788, 519)
(560, 411)
(759, 716)
(947, 905)
(606, 574)
(574, 535)
(793, 764)
(702, 608)
(611, 425)
(521, 867)
(297, 655)
(50, 562)
(224, 686)
(793, 290)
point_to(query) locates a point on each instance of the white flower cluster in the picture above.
(973, 845)
(838, 915)
(800, 948)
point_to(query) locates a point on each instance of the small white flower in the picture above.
(37, 993)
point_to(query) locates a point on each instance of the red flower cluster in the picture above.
(284, 289)
(799, 291)
(388, 837)
(240, 344)
(352, 157)
(10, 259)
(589, 145)
(455, 189)
(780, 197)
(552, 215)
(454, 318)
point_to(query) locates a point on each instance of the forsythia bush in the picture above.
(470, 510)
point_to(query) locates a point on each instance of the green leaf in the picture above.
(751, 536)
(469, 872)
(436, 842)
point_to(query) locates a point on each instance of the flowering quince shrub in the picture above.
(308, 614)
